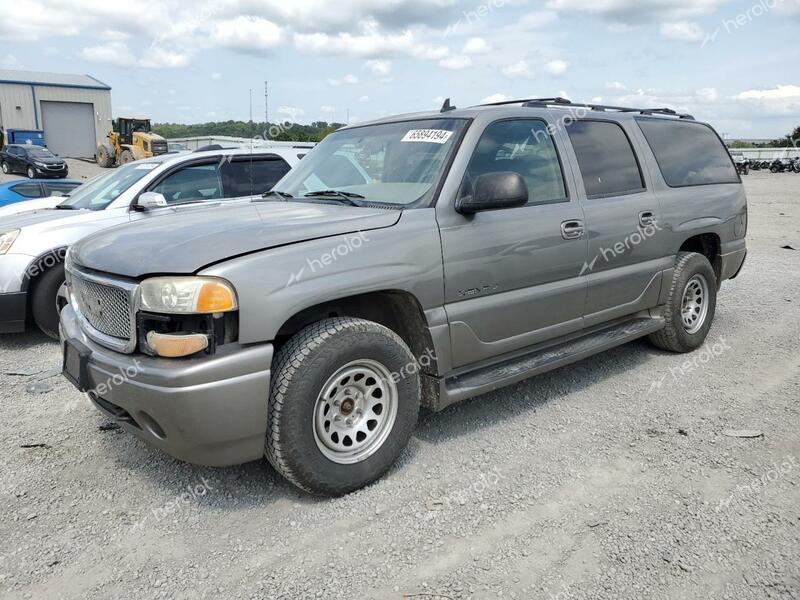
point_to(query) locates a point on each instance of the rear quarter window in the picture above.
(688, 153)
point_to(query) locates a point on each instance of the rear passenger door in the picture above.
(625, 260)
(252, 176)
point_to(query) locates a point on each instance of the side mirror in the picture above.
(151, 200)
(493, 191)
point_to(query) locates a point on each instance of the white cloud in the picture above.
(556, 67)
(251, 35)
(216, 76)
(9, 61)
(537, 19)
(476, 45)
(780, 100)
(291, 112)
(381, 68)
(459, 61)
(327, 109)
(517, 69)
(120, 55)
(333, 82)
(683, 31)
(495, 98)
(638, 11)
(364, 99)
(370, 44)
(615, 85)
(351, 79)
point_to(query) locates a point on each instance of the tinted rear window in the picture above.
(252, 177)
(606, 159)
(688, 153)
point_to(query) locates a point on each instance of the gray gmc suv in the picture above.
(409, 262)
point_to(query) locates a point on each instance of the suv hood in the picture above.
(185, 242)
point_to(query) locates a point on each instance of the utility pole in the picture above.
(266, 104)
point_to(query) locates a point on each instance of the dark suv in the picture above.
(417, 260)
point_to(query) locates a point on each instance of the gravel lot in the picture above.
(613, 478)
(78, 169)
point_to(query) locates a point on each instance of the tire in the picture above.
(4, 167)
(747, 170)
(302, 442)
(31, 173)
(44, 303)
(105, 156)
(686, 330)
(126, 157)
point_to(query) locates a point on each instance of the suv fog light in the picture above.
(174, 346)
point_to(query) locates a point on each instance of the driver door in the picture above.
(513, 277)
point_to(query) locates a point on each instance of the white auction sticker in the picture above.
(146, 166)
(432, 136)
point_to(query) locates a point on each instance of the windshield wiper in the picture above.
(348, 197)
(65, 207)
(284, 196)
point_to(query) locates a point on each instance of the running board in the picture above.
(487, 379)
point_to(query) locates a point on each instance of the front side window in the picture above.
(606, 159)
(398, 164)
(524, 147)
(252, 177)
(98, 193)
(688, 153)
(191, 184)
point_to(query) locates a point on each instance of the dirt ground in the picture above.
(618, 477)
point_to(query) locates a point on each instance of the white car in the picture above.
(34, 237)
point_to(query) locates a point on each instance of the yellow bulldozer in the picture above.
(129, 140)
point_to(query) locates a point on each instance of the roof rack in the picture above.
(563, 103)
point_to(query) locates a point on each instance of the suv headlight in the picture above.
(7, 240)
(187, 295)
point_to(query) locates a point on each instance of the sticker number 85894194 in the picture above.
(431, 136)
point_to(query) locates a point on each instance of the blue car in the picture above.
(26, 189)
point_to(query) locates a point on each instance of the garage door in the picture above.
(69, 128)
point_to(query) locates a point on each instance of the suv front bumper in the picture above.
(208, 411)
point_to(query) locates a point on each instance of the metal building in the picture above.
(73, 110)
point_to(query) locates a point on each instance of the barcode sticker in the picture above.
(431, 136)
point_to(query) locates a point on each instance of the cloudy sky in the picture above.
(734, 63)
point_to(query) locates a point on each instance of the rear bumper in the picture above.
(209, 411)
(13, 309)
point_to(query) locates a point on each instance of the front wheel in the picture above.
(5, 168)
(31, 173)
(46, 300)
(344, 402)
(691, 305)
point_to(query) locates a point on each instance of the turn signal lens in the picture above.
(187, 295)
(176, 346)
(215, 297)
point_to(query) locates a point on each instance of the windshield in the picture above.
(391, 163)
(38, 152)
(98, 193)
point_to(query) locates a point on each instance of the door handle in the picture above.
(572, 230)
(647, 218)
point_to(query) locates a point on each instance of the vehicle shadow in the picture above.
(257, 484)
(531, 394)
(11, 342)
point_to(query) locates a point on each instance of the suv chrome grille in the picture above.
(106, 308)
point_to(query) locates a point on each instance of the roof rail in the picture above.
(563, 102)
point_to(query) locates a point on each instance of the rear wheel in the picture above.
(45, 301)
(126, 157)
(344, 401)
(691, 305)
